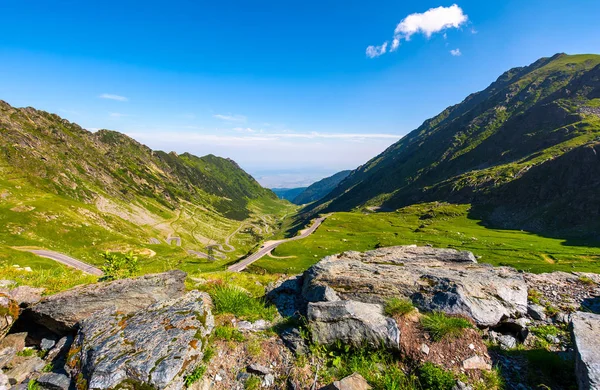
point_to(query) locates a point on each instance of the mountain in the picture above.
(320, 189)
(525, 151)
(288, 193)
(64, 187)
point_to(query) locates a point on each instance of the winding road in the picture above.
(66, 260)
(268, 246)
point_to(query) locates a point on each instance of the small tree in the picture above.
(119, 266)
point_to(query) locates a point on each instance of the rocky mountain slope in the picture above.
(320, 189)
(288, 193)
(113, 188)
(525, 149)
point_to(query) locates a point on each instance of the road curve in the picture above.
(270, 245)
(66, 260)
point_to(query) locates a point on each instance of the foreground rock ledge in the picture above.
(157, 346)
(434, 279)
(586, 337)
(61, 312)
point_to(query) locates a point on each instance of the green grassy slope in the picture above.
(80, 193)
(438, 224)
(482, 151)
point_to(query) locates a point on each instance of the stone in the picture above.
(294, 341)
(476, 362)
(286, 295)
(537, 312)
(9, 312)
(562, 318)
(268, 380)
(26, 296)
(15, 340)
(256, 326)
(61, 312)
(585, 330)
(6, 356)
(155, 347)
(25, 369)
(425, 349)
(54, 381)
(352, 322)
(507, 341)
(47, 344)
(4, 383)
(60, 348)
(462, 386)
(351, 382)
(258, 369)
(434, 279)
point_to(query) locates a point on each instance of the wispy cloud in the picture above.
(230, 118)
(113, 97)
(255, 136)
(456, 52)
(427, 23)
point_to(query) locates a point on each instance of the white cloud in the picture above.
(244, 130)
(113, 97)
(231, 118)
(456, 52)
(376, 51)
(427, 23)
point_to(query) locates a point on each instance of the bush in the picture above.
(119, 266)
(228, 333)
(433, 377)
(398, 306)
(440, 325)
(232, 299)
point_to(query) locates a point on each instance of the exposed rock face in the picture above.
(61, 312)
(9, 312)
(586, 337)
(157, 346)
(352, 322)
(434, 279)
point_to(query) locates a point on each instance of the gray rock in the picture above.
(256, 326)
(15, 340)
(585, 328)
(268, 380)
(351, 382)
(46, 344)
(507, 341)
(562, 318)
(462, 386)
(25, 369)
(157, 346)
(4, 383)
(25, 295)
(286, 295)
(60, 349)
(294, 341)
(537, 312)
(61, 312)
(425, 349)
(352, 322)
(258, 369)
(434, 279)
(476, 362)
(6, 356)
(54, 381)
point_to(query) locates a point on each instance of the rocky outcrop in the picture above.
(586, 337)
(434, 279)
(155, 347)
(352, 322)
(61, 312)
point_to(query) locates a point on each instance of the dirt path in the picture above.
(268, 246)
(66, 260)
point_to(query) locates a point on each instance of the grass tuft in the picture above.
(234, 300)
(440, 325)
(398, 306)
(195, 375)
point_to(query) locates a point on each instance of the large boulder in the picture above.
(351, 382)
(585, 329)
(434, 279)
(61, 312)
(352, 322)
(9, 312)
(155, 347)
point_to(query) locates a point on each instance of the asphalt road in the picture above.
(66, 260)
(270, 245)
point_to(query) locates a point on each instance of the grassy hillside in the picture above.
(81, 193)
(525, 149)
(441, 225)
(320, 189)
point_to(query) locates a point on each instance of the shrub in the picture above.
(440, 325)
(119, 266)
(252, 383)
(234, 300)
(398, 306)
(195, 375)
(433, 377)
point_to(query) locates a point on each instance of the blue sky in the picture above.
(287, 89)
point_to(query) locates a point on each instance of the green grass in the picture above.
(440, 325)
(227, 333)
(398, 306)
(441, 225)
(195, 375)
(433, 377)
(54, 279)
(232, 299)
